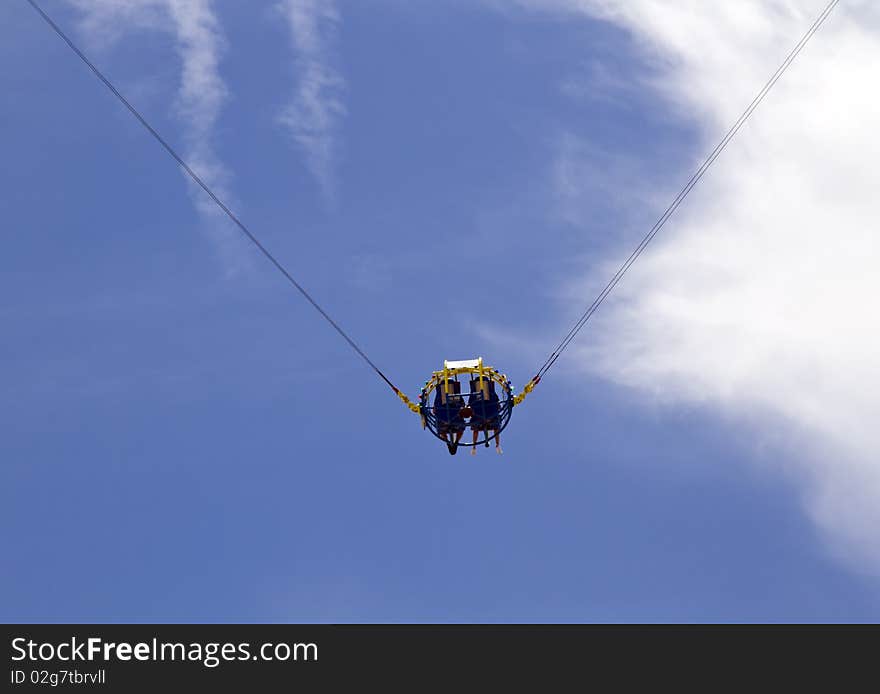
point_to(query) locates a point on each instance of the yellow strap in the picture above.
(530, 386)
(409, 403)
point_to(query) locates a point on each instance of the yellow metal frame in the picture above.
(446, 373)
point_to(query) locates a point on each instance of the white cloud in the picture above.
(318, 106)
(202, 92)
(760, 299)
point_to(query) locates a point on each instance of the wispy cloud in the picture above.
(317, 107)
(760, 299)
(202, 93)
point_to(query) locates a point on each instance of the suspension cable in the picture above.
(591, 309)
(205, 187)
(684, 192)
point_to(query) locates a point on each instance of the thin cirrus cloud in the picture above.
(317, 106)
(202, 92)
(760, 300)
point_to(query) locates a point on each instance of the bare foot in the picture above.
(498, 450)
(474, 450)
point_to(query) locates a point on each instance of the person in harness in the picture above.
(486, 411)
(448, 404)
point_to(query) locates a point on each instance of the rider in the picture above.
(486, 407)
(448, 404)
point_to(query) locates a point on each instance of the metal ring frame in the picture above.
(505, 405)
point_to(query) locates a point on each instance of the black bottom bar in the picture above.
(169, 658)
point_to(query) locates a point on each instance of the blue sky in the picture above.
(185, 440)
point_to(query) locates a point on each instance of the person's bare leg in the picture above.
(474, 447)
(498, 442)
